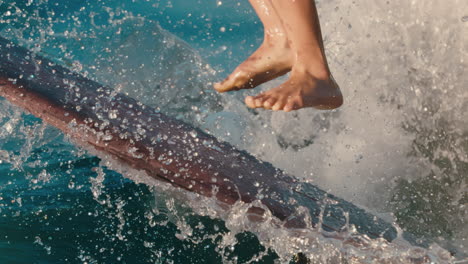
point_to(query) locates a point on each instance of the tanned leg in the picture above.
(310, 83)
(272, 59)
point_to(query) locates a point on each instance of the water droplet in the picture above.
(107, 137)
(141, 131)
(464, 19)
(167, 161)
(113, 114)
(193, 133)
(8, 127)
(76, 65)
(134, 152)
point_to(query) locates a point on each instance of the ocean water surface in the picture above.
(398, 147)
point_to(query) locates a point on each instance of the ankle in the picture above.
(276, 38)
(313, 63)
(316, 71)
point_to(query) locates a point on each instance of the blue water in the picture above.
(60, 204)
(48, 211)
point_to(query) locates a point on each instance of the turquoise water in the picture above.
(398, 147)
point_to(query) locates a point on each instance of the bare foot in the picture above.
(272, 59)
(301, 90)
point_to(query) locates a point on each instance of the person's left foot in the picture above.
(271, 60)
(301, 90)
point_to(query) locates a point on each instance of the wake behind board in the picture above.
(167, 149)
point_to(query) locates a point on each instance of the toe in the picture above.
(235, 81)
(227, 85)
(250, 101)
(268, 103)
(289, 106)
(221, 86)
(293, 104)
(279, 105)
(254, 101)
(259, 99)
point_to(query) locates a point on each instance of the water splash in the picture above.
(398, 145)
(401, 131)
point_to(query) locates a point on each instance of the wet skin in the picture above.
(292, 43)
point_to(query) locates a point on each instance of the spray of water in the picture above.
(398, 146)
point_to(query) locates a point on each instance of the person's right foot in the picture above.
(271, 60)
(303, 89)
